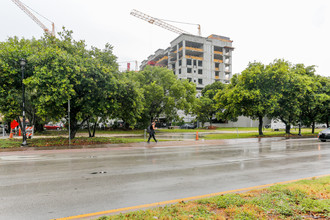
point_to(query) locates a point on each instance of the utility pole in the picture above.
(23, 63)
(69, 122)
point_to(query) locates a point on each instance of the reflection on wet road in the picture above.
(45, 185)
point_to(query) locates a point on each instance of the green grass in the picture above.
(84, 131)
(266, 132)
(299, 200)
(63, 141)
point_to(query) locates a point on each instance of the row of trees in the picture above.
(292, 93)
(61, 69)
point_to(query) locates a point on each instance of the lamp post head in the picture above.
(22, 62)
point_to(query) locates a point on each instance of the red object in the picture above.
(13, 124)
(151, 63)
(128, 66)
(52, 127)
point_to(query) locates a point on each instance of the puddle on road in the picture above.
(16, 157)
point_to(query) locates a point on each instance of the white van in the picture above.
(277, 124)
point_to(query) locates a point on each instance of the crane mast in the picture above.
(157, 21)
(34, 18)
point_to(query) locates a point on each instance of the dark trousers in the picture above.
(152, 135)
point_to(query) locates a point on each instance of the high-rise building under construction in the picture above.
(198, 59)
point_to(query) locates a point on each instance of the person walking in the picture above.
(151, 130)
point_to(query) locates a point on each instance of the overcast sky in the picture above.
(262, 30)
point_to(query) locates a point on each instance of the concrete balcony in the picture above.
(218, 61)
(218, 52)
(194, 49)
(194, 57)
(161, 59)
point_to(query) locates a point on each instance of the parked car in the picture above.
(324, 135)
(52, 127)
(188, 126)
(268, 126)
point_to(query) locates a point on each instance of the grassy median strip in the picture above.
(59, 138)
(63, 141)
(267, 133)
(304, 199)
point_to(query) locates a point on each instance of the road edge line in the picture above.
(184, 199)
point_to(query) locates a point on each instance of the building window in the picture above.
(180, 62)
(189, 70)
(200, 63)
(195, 62)
(189, 79)
(179, 71)
(216, 73)
(200, 71)
(188, 62)
(200, 81)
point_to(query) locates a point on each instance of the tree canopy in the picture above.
(164, 94)
(291, 93)
(58, 70)
(206, 106)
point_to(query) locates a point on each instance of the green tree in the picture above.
(11, 52)
(290, 90)
(67, 70)
(203, 108)
(227, 108)
(163, 94)
(324, 105)
(206, 106)
(315, 97)
(129, 100)
(250, 95)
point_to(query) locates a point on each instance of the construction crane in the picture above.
(24, 8)
(160, 22)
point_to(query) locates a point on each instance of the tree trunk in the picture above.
(260, 125)
(73, 128)
(313, 127)
(89, 129)
(126, 126)
(94, 128)
(287, 128)
(39, 127)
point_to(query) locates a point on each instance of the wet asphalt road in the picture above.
(54, 184)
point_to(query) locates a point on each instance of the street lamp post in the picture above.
(22, 62)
